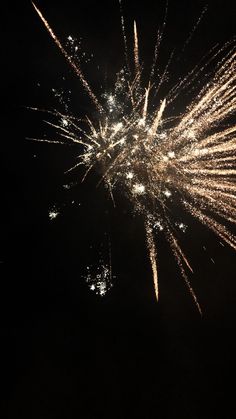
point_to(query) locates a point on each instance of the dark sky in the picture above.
(66, 352)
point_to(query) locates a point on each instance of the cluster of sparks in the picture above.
(100, 280)
(154, 159)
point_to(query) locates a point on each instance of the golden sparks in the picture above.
(154, 159)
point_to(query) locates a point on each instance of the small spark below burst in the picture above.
(53, 214)
(99, 278)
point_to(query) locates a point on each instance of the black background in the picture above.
(67, 352)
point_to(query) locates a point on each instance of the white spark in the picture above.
(53, 214)
(130, 175)
(64, 122)
(167, 193)
(138, 189)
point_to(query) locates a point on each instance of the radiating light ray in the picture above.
(186, 43)
(216, 227)
(75, 67)
(178, 255)
(153, 257)
(159, 37)
(157, 121)
(156, 159)
(199, 69)
(155, 56)
(145, 104)
(163, 76)
(124, 37)
(136, 52)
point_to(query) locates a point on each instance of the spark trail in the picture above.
(75, 67)
(155, 160)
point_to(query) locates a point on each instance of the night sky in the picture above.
(68, 353)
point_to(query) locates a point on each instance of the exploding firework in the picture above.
(154, 159)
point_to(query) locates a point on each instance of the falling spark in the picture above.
(99, 279)
(53, 214)
(154, 159)
(153, 257)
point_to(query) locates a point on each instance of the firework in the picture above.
(154, 159)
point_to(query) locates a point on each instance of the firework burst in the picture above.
(152, 158)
